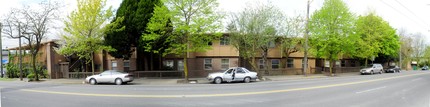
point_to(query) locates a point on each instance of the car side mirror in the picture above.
(100, 75)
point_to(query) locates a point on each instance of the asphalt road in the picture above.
(406, 89)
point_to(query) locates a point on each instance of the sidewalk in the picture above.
(309, 76)
(173, 81)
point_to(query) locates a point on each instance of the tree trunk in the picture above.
(92, 63)
(145, 63)
(151, 65)
(331, 67)
(33, 63)
(265, 61)
(365, 63)
(185, 68)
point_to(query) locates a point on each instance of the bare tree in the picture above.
(291, 34)
(32, 24)
(418, 46)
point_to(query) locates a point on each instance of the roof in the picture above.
(25, 46)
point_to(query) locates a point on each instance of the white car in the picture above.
(233, 74)
(376, 68)
(110, 76)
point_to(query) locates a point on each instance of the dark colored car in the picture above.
(425, 68)
(393, 69)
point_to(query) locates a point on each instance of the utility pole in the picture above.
(400, 54)
(1, 47)
(20, 54)
(305, 59)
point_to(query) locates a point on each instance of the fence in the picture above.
(316, 70)
(81, 74)
(139, 74)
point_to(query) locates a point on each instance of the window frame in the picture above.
(223, 64)
(114, 65)
(261, 64)
(180, 66)
(279, 62)
(206, 64)
(290, 63)
(224, 40)
(342, 63)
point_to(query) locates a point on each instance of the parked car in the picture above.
(393, 69)
(425, 68)
(233, 74)
(375, 68)
(110, 76)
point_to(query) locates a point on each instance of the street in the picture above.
(405, 89)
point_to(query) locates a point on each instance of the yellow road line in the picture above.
(217, 95)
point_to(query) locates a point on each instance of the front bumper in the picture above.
(364, 71)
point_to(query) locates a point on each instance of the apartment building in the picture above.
(221, 56)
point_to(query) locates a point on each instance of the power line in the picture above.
(403, 14)
(411, 12)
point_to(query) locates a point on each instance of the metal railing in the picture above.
(81, 74)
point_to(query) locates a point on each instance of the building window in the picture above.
(342, 63)
(208, 64)
(180, 65)
(352, 63)
(168, 64)
(275, 63)
(224, 40)
(225, 64)
(261, 64)
(114, 65)
(290, 62)
(126, 65)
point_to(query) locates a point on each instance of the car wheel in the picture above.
(217, 80)
(118, 81)
(93, 81)
(371, 72)
(380, 72)
(247, 80)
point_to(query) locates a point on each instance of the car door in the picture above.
(104, 77)
(239, 75)
(228, 75)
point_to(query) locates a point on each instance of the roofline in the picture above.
(25, 46)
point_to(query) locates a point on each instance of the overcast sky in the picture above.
(411, 15)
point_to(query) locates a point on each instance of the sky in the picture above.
(411, 15)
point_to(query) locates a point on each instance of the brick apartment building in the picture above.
(222, 56)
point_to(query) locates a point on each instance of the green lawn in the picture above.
(7, 79)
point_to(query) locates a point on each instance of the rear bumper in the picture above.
(128, 79)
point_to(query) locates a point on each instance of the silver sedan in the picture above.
(233, 74)
(110, 76)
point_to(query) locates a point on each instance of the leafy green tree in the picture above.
(85, 30)
(375, 36)
(330, 28)
(252, 30)
(127, 27)
(194, 24)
